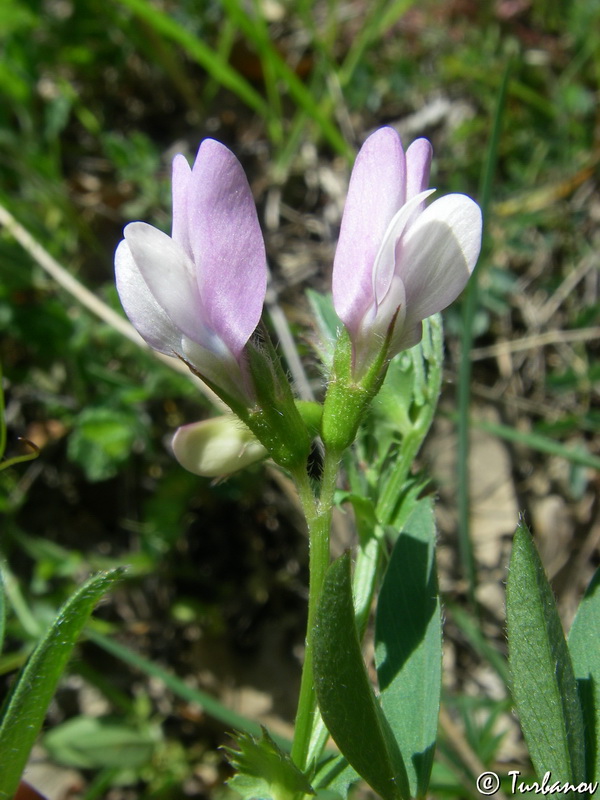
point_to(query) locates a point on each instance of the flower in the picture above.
(398, 261)
(198, 294)
(216, 447)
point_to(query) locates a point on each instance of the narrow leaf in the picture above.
(345, 695)
(408, 646)
(543, 683)
(24, 713)
(585, 654)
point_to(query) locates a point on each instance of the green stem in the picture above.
(318, 518)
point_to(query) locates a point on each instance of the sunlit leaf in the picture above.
(408, 646)
(543, 683)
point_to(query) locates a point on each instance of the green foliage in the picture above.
(345, 695)
(542, 679)
(23, 713)
(334, 777)
(585, 654)
(100, 742)
(408, 646)
(264, 771)
(102, 439)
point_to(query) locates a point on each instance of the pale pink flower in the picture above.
(399, 261)
(198, 294)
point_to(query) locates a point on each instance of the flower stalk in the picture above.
(318, 511)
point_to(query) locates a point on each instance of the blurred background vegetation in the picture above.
(96, 97)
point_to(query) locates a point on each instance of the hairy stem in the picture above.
(318, 513)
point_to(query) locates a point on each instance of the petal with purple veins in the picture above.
(438, 254)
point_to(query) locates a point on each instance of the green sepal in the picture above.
(276, 421)
(264, 771)
(348, 399)
(543, 682)
(346, 698)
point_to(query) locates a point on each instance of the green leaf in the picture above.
(264, 770)
(408, 646)
(345, 695)
(25, 709)
(585, 654)
(334, 776)
(543, 683)
(99, 742)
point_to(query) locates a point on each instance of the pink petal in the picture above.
(180, 186)
(437, 255)
(169, 275)
(145, 314)
(227, 245)
(377, 191)
(418, 163)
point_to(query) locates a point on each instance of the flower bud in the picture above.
(216, 447)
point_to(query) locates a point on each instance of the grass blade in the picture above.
(208, 703)
(208, 58)
(25, 709)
